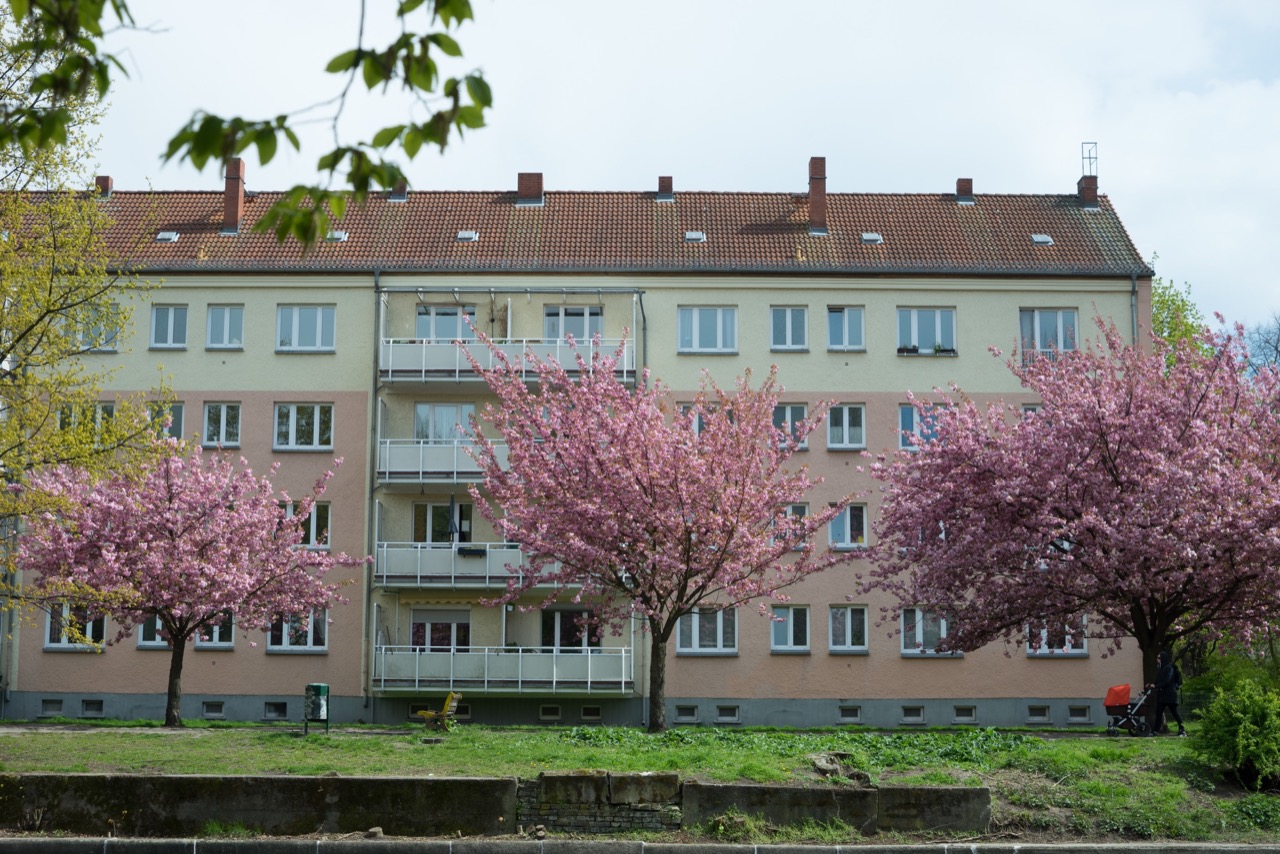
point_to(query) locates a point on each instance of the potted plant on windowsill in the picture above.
(908, 351)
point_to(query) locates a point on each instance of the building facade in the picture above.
(865, 300)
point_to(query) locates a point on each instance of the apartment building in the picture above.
(349, 350)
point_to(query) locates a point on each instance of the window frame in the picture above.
(433, 314)
(156, 412)
(726, 321)
(846, 645)
(845, 542)
(847, 409)
(787, 312)
(151, 626)
(1078, 648)
(285, 645)
(1060, 331)
(912, 344)
(320, 521)
(95, 629)
(232, 315)
(436, 433)
(783, 628)
(919, 635)
(317, 431)
(844, 312)
(689, 640)
(592, 322)
(294, 311)
(94, 334)
(222, 440)
(216, 633)
(171, 311)
(789, 421)
(921, 426)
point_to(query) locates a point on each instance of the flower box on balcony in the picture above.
(472, 551)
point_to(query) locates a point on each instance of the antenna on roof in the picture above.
(1089, 158)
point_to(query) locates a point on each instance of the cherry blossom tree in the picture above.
(634, 507)
(1141, 499)
(188, 541)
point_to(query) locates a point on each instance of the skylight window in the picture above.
(1042, 240)
(873, 238)
(336, 237)
(167, 237)
(468, 236)
(695, 237)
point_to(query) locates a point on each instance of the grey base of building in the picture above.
(906, 712)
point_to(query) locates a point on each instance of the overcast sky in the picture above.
(1183, 99)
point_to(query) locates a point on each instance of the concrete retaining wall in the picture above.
(600, 802)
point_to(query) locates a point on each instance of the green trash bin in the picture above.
(315, 705)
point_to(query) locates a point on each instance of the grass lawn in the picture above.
(1044, 787)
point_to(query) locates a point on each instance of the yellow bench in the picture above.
(446, 717)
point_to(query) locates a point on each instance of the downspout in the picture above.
(366, 661)
(1133, 304)
(644, 334)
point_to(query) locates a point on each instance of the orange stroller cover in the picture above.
(1117, 695)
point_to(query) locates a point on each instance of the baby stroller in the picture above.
(1125, 713)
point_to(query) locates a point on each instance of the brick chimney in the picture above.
(666, 193)
(1087, 188)
(104, 184)
(964, 191)
(233, 201)
(529, 189)
(817, 195)
(400, 192)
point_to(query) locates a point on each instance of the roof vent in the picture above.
(336, 237)
(1042, 240)
(167, 237)
(468, 236)
(872, 237)
(666, 192)
(695, 237)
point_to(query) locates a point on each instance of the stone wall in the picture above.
(600, 802)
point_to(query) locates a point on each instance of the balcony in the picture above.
(418, 360)
(429, 461)
(405, 669)
(445, 565)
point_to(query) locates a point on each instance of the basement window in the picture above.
(727, 715)
(468, 236)
(913, 714)
(549, 713)
(964, 715)
(1079, 715)
(695, 237)
(850, 714)
(1038, 714)
(91, 708)
(212, 709)
(591, 714)
(463, 712)
(686, 714)
(275, 711)
(873, 238)
(50, 708)
(167, 237)
(1041, 240)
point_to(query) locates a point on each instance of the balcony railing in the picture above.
(497, 669)
(419, 360)
(426, 460)
(445, 564)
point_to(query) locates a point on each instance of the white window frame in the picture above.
(846, 437)
(785, 629)
(317, 633)
(1075, 642)
(223, 437)
(289, 326)
(294, 442)
(688, 329)
(842, 639)
(916, 427)
(840, 529)
(913, 633)
(224, 327)
(156, 413)
(221, 636)
(168, 327)
(792, 413)
(725, 627)
(944, 324)
(95, 336)
(439, 429)
(149, 634)
(318, 523)
(95, 628)
(430, 318)
(847, 315)
(1037, 346)
(555, 319)
(789, 337)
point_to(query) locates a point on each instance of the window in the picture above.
(707, 329)
(442, 423)
(225, 327)
(848, 628)
(1062, 637)
(304, 426)
(219, 636)
(97, 414)
(222, 425)
(441, 629)
(212, 709)
(789, 328)
(787, 418)
(593, 714)
(849, 528)
(926, 330)
(568, 631)
(1038, 715)
(50, 708)
(708, 632)
(845, 429)
(844, 329)
(315, 530)
(922, 630)
(549, 713)
(849, 714)
(72, 627)
(91, 708)
(1079, 714)
(1044, 331)
(169, 326)
(913, 714)
(275, 711)
(796, 511)
(727, 714)
(686, 714)
(444, 323)
(912, 423)
(582, 322)
(100, 330)
(149, 634)
(964, 714)
(442, 523)
(299, 633)
(303, 328)
(790, 628)
(159, 412)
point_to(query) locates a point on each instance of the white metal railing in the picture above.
(604, 671)
(430, 459)
(445, 564)
(418, 359)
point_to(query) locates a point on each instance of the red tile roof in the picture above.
(631, 232)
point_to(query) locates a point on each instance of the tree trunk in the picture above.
(657, 682)
(173, 703)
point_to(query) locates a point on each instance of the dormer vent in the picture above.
(336, 237)
(1042, 240)
(873, 238)
(695, 237)
(167, 237)
(468, 236)
(666, 192)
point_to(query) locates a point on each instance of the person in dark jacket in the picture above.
(1167, 683)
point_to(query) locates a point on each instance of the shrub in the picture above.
(1241, 732)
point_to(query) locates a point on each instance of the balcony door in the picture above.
(568, 630)
(442, 423)
(440, 630)
(442, 523)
